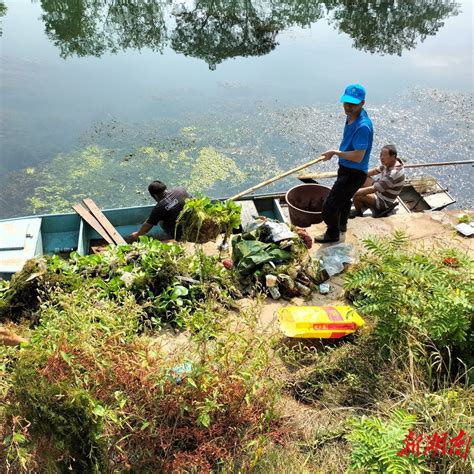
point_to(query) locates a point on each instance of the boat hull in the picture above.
(22, 238)
(25, 237)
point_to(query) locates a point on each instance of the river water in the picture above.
(99, 98)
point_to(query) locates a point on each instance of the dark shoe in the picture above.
(354, 213)
(325, 238)
(386, 211)
(343, 227)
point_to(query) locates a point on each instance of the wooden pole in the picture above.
(276, 178)
(333, 174)
(441, 163)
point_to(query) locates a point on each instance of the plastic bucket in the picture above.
(305, 203)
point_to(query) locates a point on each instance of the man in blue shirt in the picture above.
(354, 154)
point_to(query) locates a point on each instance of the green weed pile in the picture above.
(203, 220)
(168, 284)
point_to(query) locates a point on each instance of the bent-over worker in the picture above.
(381, 194)
(169, 203)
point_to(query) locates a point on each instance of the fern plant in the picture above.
(424, 295)
(375, 444)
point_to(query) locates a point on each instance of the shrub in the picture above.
(98, 398)
(427, 296)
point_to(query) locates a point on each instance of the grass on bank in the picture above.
(95, 390)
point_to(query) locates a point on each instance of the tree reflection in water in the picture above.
(92, 28)
(3, 11)
(389, 26)
(215, 30)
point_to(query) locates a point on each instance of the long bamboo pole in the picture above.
(276, 178)
(333, 174)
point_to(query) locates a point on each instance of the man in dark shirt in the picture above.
(169, 203)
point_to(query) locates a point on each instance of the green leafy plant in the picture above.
(202, 219)
(429, 296)
(162, 278)
(375, 443)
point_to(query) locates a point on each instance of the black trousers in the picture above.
(337, 205)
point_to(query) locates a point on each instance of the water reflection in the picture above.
(3, 11)
(215, 30)
(92, 28)
(390, 26)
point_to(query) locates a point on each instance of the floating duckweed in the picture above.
(50, 199)
(183, 156)
(189, 132)
(36, 203)
(147, 150)
(234, 153)
(79, 173)
(212, 166)
(163, 156)
(93, 156)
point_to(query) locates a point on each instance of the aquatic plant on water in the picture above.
(117, 177)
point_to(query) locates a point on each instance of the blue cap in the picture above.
(354, 94)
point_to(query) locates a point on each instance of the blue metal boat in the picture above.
(25, 237)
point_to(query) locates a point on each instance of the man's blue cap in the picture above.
(354, 94)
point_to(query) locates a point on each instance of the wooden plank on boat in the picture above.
(248, 212)
(92, 221)
(105, 223)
